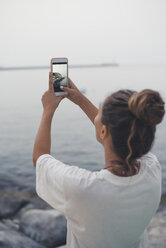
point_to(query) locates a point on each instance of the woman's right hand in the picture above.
(74, 94)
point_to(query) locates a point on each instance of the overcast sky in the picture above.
(85, 31)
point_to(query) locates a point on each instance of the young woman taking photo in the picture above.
(110, 208)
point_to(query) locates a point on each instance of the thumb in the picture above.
(67, 89)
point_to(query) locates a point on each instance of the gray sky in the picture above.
(85, 31)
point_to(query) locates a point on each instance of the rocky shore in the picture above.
(26, 221)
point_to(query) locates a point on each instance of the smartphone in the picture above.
(59, 70)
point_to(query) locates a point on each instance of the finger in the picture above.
(67, 89)
(51, 87)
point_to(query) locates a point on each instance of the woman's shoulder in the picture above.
(150, 161)
(150, 157)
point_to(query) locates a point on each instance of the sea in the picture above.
(73, 134)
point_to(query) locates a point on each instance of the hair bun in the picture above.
(147, 106)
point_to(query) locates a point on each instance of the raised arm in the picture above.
(87, 106)
(81, 100)
(42, 143)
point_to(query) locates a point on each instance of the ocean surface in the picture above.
(73, 134)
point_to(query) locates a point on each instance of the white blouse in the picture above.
(102, 210)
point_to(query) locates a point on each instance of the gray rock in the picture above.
(34, 203)
(10, 205)
(64, 246)
(11, 224)
(23, 210)
(47, 227)
(157, 230)
(3, 227)
(12, 239)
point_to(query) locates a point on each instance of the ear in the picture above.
(103, 132)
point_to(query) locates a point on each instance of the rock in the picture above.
(14, 224)
(23, 210)
(47, 227)
(157, 230)
(10, 205)
(64, 246)
(13, 239)
(35, 203)
(3, 227)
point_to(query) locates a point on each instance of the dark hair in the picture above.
(131, 118)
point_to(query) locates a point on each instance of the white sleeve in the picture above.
(49, 181)
(57, 183)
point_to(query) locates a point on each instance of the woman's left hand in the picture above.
(49, 100)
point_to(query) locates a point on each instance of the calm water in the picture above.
(73, 134)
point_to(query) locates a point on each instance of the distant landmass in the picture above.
(47, 67)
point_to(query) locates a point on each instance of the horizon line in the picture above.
(46, 67)
(113, 64)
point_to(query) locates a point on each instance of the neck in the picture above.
(110, 155)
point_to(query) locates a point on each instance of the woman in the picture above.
(111, 207)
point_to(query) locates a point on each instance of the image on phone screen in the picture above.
(59, 74)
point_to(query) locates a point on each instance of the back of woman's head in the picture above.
(131, 118)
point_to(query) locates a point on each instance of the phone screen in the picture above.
(59, 75)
